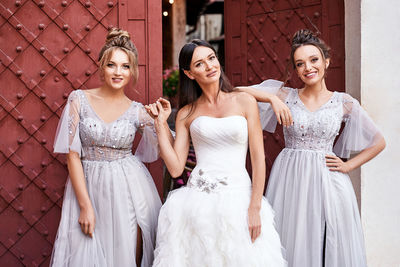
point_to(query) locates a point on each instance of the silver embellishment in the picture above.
(205, 184)
(314, 130)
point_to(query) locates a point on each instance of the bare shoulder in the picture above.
(244, 98)
(91, 93)
(183, 113)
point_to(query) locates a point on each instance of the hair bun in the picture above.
(304, 36)
(117, 33)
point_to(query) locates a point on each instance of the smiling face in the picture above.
(204, 67)
(116, 71)
(310, 64)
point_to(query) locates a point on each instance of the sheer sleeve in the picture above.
(147, 150)
(67, 135)
(267, 114)
(359, 133)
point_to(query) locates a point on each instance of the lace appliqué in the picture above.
(314, 130)
(207, 185)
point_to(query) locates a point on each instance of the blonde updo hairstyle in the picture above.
(119, 39)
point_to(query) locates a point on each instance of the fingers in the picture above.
(331, 157)
(332, 160)
(159, 106)
(148, 110)
(254, 226)
(290, 116)
(255, 232)
(164, 102)
(87, 228)
(287, 119)
(152, 110)
(91, 230)
(166, 105)
(251, 233)
(82, 227)
(335, 169)
(278, 118)
(284, 117)
(334, 163)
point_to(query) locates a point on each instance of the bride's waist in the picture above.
(227, 177)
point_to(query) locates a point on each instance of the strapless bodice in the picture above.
(221, 146)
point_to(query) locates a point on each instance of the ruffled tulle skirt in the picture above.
(211, 230)
(316, 211)
(123, 196)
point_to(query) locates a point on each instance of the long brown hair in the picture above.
(189, 90)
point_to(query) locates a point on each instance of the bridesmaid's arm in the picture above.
(257, 156)
(87, 218)
(336, 164)
(367, 154)
(281, 110)
(260, 96)
(174, 153)
(359, 134)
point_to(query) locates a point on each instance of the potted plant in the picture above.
(170, 85)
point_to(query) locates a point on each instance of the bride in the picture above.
(220, 218)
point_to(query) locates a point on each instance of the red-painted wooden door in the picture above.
(257, 44)
(47, 49)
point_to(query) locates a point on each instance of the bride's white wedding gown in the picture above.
(206, 222)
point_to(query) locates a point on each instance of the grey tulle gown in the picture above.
(120, 187)
(316, 207)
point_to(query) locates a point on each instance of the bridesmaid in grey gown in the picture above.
(316, 209)
(109, 192)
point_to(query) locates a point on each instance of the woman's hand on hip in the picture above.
(334, 163)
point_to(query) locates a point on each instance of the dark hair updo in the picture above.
(307, 37)
(119, 39)
(189, 90)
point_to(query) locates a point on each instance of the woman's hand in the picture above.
(87, 220)
(337, 164)
(282, 112)
(160, 110)
(254, 223)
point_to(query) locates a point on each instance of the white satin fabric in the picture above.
(204, 224)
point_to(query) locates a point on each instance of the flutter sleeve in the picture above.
(359, 133)
(267, 114)
(147, 150)
(67, 135)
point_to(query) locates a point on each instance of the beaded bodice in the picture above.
(103, 141)
(315, 130)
